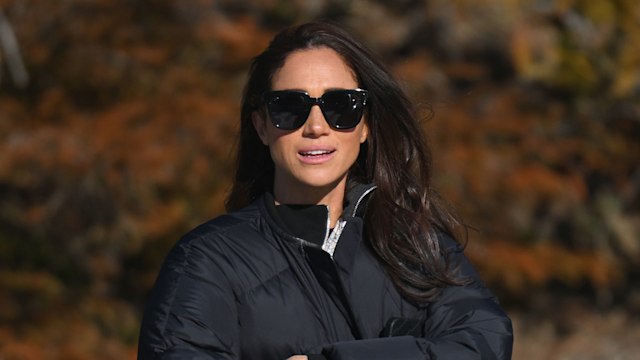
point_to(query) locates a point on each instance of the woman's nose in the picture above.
(316, 124)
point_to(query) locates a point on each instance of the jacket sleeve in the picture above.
(466, 322)
(191, 312)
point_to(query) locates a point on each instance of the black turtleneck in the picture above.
(308, 222)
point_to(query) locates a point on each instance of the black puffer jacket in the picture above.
(242, 287)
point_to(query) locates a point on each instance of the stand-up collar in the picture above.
(355, 199)
(310, 223)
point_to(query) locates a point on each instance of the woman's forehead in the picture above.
(314, 69)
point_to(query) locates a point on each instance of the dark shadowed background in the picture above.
(118, 120)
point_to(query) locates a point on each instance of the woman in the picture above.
(335, 246)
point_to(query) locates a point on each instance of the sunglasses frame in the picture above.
(361, 102)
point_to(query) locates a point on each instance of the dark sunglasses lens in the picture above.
(342, 108)
(288, 110)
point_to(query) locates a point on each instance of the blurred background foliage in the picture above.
(118, 120)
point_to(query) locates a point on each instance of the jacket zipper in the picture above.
(331, 239)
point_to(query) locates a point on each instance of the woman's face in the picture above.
(315, 155)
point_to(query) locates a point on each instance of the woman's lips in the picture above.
(316, 156)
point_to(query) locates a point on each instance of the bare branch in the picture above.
(9, 46)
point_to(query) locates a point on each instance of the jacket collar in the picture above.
(306, 222)
(314, 217)
(355, 199)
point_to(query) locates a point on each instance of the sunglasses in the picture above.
(289, 109)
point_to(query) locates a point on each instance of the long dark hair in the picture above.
(404, 215)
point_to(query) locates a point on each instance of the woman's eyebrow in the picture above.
(305, 91)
